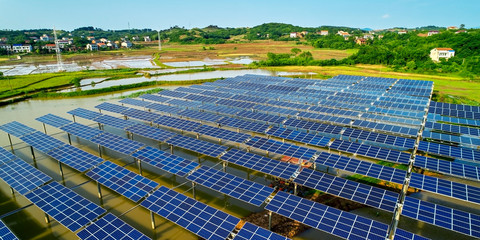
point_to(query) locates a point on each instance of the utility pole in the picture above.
(57, 50)
(159, 41)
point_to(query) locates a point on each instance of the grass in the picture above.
(139, 93)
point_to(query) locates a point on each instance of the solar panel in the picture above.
(444, 187)
(142, 115)
(203, 116)
(110, 227)
(165, 161)
(16, 129)
(41, 141)
(364, 194)
(5, 156)
(75, 158)
(361, 167)
(114, 122)
(389, 140)
(327, 219)
(154, 97)
(312, 126)
(453, 128)
(170, 93)
(117, 143)
(242, 124)
(163, 108)
(135, 102)
(150, 132)
(199, 146)
(222, 133)
(22, 177)
(177, 123)
(198, 218)
(447, 167)
(286, 149)
(81, 130)
(250, 231)
(441, 216)
(110, 107)
(371, 151)
(64, 205)
(261, 117)
(122, 181)
(450, 151)
(53, 120)
(6, 233)
(298, 136)
(183, 103)
(231, 185)
(261, 164)
(84, 113)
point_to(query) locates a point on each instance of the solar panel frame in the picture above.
(84, 113)
(114, 122)
(41, 141)
(222, 133)
(286, 149)
(199, 146)
(6, 233)
(150, 132)
(64, 205)
(110, 107)
(6, 156)
(117, 143)
(81, 130)
(122, 181)
(16, 129)
(135, 102)
(165, 161)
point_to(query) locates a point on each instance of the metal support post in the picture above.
(270, 220)
(152, 218)
(12, 191)
(99, 150)
(99, 188)
(33, 153)
(74, 118)
(139, 163)
(10, 140)
(193, 190)
(224, 166)
(171, 149)
(60, 167)
(295, 190)
(44, 128)
(47, 218)
(69, 139)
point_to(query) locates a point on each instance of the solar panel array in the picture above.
(53, 120)
(250, 231)
(197, 217)
(165, 161)
(286, 149)
(16, 129)
(6, 156)
(22, 177)
(41, 141)
(207, 148)
(117, 143)
(6, 233)
(231, 185)
(75, 158)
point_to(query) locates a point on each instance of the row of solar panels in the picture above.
(390, 206)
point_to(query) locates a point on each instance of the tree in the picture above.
(462, 26)
(295, 51)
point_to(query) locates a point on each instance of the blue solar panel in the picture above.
(364, 194)
(110, 107)
(198, 218)
(42, 141)
(327, 219)
(222, 133)
(5, 233)
(122, 181)
(142, 115)
(441, 216)
(450, 151)
(202, 116)
(163, 108)
(177, 123)
(22, 177)
(154, 97)
(399, 142)
(207, 148)
(312, 126)
(261, 164)
(114, 122)
(250, 231)
(231, 185)
(150, 132)
(242, 124)
(110, 227)
(6, 156)
(16, 129)
(53, 120)
(75, 158)
(261, 117)
(135, 102)
(117, 143)
(81, 130)
(447, 167)
(298, 136)
(286, 149)
(362, 167)
(445, 187)
(165, 161)
(371, 151)
(174, 94)
(453, 128)
(64, 205)
(84, 113)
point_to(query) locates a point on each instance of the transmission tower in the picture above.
(57, 50)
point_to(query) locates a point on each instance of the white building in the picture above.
(22, 48)
(126, 44)
(45, 38)
(92, 47)
(432, 33)
(437, 53)
(294, 35)
(147, 39)
(324, 32)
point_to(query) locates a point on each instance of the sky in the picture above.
(158, 14)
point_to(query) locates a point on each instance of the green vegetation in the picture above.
(139, 93)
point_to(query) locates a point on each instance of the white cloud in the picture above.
(386, 15)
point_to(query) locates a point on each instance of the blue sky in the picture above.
(119, 14)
